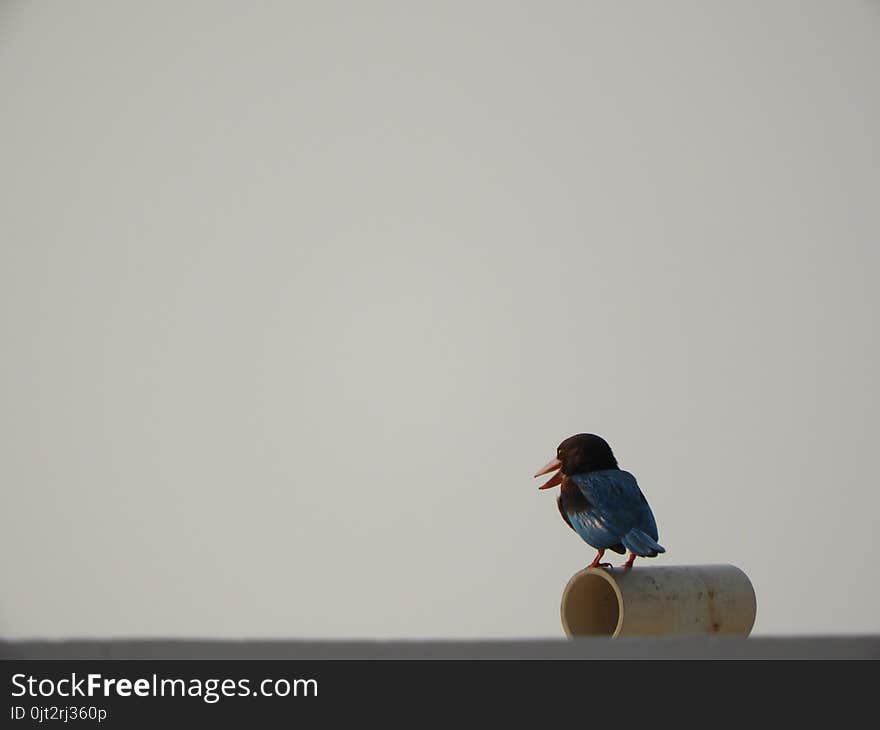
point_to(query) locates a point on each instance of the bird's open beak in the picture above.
(556, 466)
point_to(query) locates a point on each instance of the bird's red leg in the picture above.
(597, 564)
(629, 563)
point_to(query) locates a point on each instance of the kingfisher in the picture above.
(600, 502)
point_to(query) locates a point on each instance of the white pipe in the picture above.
(675, 600)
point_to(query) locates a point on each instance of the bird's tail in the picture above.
(642, 544)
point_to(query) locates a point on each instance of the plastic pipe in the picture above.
(676, 600)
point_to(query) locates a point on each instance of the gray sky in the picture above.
(295, 298)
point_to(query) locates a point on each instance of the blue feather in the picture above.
(639, 543)
(618, 513)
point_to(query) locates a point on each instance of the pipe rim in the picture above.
(605, 574)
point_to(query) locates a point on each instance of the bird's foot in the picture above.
(600, 565)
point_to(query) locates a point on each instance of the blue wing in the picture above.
(618, 513)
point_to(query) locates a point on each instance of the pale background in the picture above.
(296, 297)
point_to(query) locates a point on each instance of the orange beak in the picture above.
(556, 466)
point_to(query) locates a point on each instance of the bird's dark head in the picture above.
(577, 455)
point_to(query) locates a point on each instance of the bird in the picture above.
(601, 502)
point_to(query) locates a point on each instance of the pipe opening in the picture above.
(591, 605)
